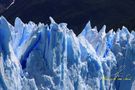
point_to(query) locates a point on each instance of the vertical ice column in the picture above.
(58, 53)
(5, 37)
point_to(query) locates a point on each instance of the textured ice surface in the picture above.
(52, 57)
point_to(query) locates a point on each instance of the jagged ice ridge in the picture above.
(52, 57)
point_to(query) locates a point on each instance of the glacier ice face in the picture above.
(10, 68)
(52, 57)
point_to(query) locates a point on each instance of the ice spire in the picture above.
(52, 20)
(86, 29)
(102, 32)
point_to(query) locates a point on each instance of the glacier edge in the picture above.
(52, 57)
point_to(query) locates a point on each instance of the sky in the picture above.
(113, 13)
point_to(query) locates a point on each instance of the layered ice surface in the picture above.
(52, 57)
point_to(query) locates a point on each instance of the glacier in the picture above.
(52, 57)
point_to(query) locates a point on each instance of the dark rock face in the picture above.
(113, 13)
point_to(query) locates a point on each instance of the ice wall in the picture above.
(52, 57)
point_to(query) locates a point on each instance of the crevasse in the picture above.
(52, 57)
